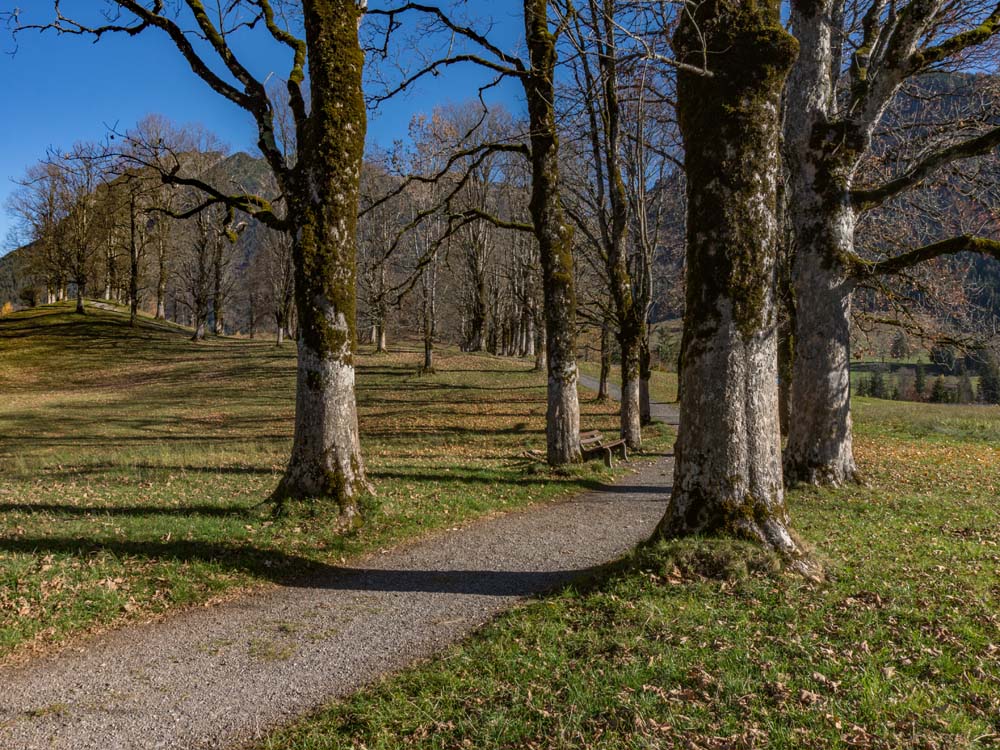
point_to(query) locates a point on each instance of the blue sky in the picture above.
(60, 89)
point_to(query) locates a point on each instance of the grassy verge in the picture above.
(131, 462)
(703, 644)
(662, 385)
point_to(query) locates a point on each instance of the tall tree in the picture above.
(548, 222)
(320, 190)
(84, 172)
(614, 208)
(727, 476)
(855, 57)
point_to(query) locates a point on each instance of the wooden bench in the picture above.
(592, 443)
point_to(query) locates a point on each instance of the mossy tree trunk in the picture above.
(728, 476)
(831, 114)
(326, 456)
(555, 241)
(631, 415)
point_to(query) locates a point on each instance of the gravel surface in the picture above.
(223, 676)
(666, 413)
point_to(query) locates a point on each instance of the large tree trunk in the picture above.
(429, 310)
(81, 288)
(529, 344)
(541, 361)
(728, 476)
(480, 311)
(161, 281)
(631, 422)
(326, 451)
(555, 241)
(218, 325)
(820, 168)
(820, 446)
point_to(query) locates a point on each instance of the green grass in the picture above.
(662, 385)
(131, 462)
(704, 644)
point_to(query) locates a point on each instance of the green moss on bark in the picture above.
(728, 147)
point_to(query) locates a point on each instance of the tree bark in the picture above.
(541, 361)
(480, 311)
(161, 280)
(728, 476)
(820, 167)
(218, 325)
(630, 418)
(820, 445)
(326, 456)
(555, 241)
(645, 413)
(80, 291)
(602, 384)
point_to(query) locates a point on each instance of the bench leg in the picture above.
(608, 458)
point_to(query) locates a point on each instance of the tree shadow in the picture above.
(301, 572)
(217, 511)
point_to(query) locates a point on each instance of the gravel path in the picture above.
(666, 413)
(223, 676)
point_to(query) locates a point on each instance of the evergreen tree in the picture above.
(920, 380)
(989, 381)
(878, 386)
(939, 392)
(864, 386)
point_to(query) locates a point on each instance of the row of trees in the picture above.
(100, 222)
(911, 384)
(770, 230)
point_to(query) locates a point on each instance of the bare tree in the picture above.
(320, 190)
(84, 171)
(616, 206)
(855, 58)
(548, 224)
(39, 205)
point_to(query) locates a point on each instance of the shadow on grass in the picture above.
(91, 470)
(217, 511)
(296, 570)
(301, 572)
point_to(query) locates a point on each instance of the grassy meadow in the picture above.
(662, 384)
(705, 644)
(133, 461)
